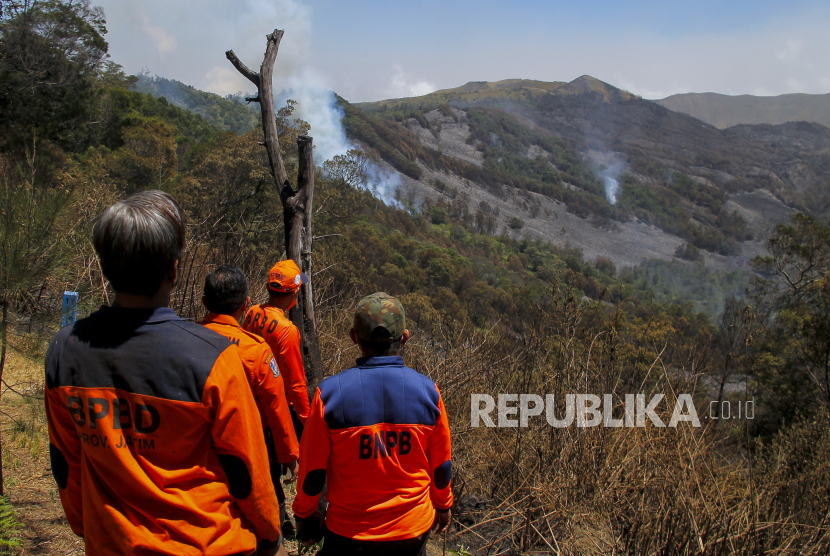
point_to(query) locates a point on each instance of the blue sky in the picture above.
(371, 49)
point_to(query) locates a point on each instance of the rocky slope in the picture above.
(667, 166)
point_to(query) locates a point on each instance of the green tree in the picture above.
(50, 54)
(29, 247)
(348, 169)
(516, 223)
(148, 158)
(794, 362)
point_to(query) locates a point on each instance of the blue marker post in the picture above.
(69, 314)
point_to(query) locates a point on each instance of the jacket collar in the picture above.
(147, 316)
(388, 361)
(267, 305)
(215, 318)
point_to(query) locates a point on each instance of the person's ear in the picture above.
(173, 275)
(405, 337)
(204, 302)
(353, 335)
(247, 304)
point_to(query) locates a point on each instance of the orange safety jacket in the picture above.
(271, 323)
(266, 384)
(378, 433)
(156, 443)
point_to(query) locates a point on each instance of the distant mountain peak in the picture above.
(724, 111)
(587, 84)
(473, 91)
(504, 85)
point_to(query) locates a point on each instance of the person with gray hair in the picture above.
(155, 439)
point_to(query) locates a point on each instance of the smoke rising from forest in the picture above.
(317, 105)
(168, 31)
(610, 178)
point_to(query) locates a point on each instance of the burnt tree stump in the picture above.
(296, 205)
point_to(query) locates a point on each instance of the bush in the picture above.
(606, 266)
(688, 252)
(438, 215)
(516, 223)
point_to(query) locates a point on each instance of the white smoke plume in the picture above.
(404, 85)
(317, 105)
(610, 177)
(383, 184)
(217, 26)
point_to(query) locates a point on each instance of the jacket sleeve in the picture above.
(64, 452)
(315, 448)
(270, 391)
(290, 361)
(239, 441)
(439, 454)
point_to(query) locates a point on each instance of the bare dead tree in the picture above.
(296, 204)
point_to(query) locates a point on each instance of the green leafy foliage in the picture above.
(50, 55)
(703, 289)
(394, 146)
(689, 252)
(697, 192)
(793, 360)
(662, 206)
(224, 113)
(29, 212)
(10, 526)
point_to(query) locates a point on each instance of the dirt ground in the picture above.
(26, 469)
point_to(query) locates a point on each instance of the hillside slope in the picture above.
(581, 164)
(724, 111)
(593, 166)
(225, 113)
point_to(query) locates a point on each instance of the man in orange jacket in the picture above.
(156, 442)
(378, 436)
(270, 321)
(226, 299)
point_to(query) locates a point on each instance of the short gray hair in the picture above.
(138, 239)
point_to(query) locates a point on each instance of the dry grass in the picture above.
(581, 491)
(26, 468)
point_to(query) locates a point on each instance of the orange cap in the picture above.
(285, 277)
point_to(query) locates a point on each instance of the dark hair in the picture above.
(138, 239)
(225, 290)
(380, 348)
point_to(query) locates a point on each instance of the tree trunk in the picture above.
(296, 204)
(265, 98)
(303, 314)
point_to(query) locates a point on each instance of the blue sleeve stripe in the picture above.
(362, 397)
(443, 475)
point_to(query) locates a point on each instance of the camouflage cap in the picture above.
(379, 318)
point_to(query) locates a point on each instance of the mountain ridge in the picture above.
(723, 111)
(537, 158)
(480, 91)
(518, 145)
